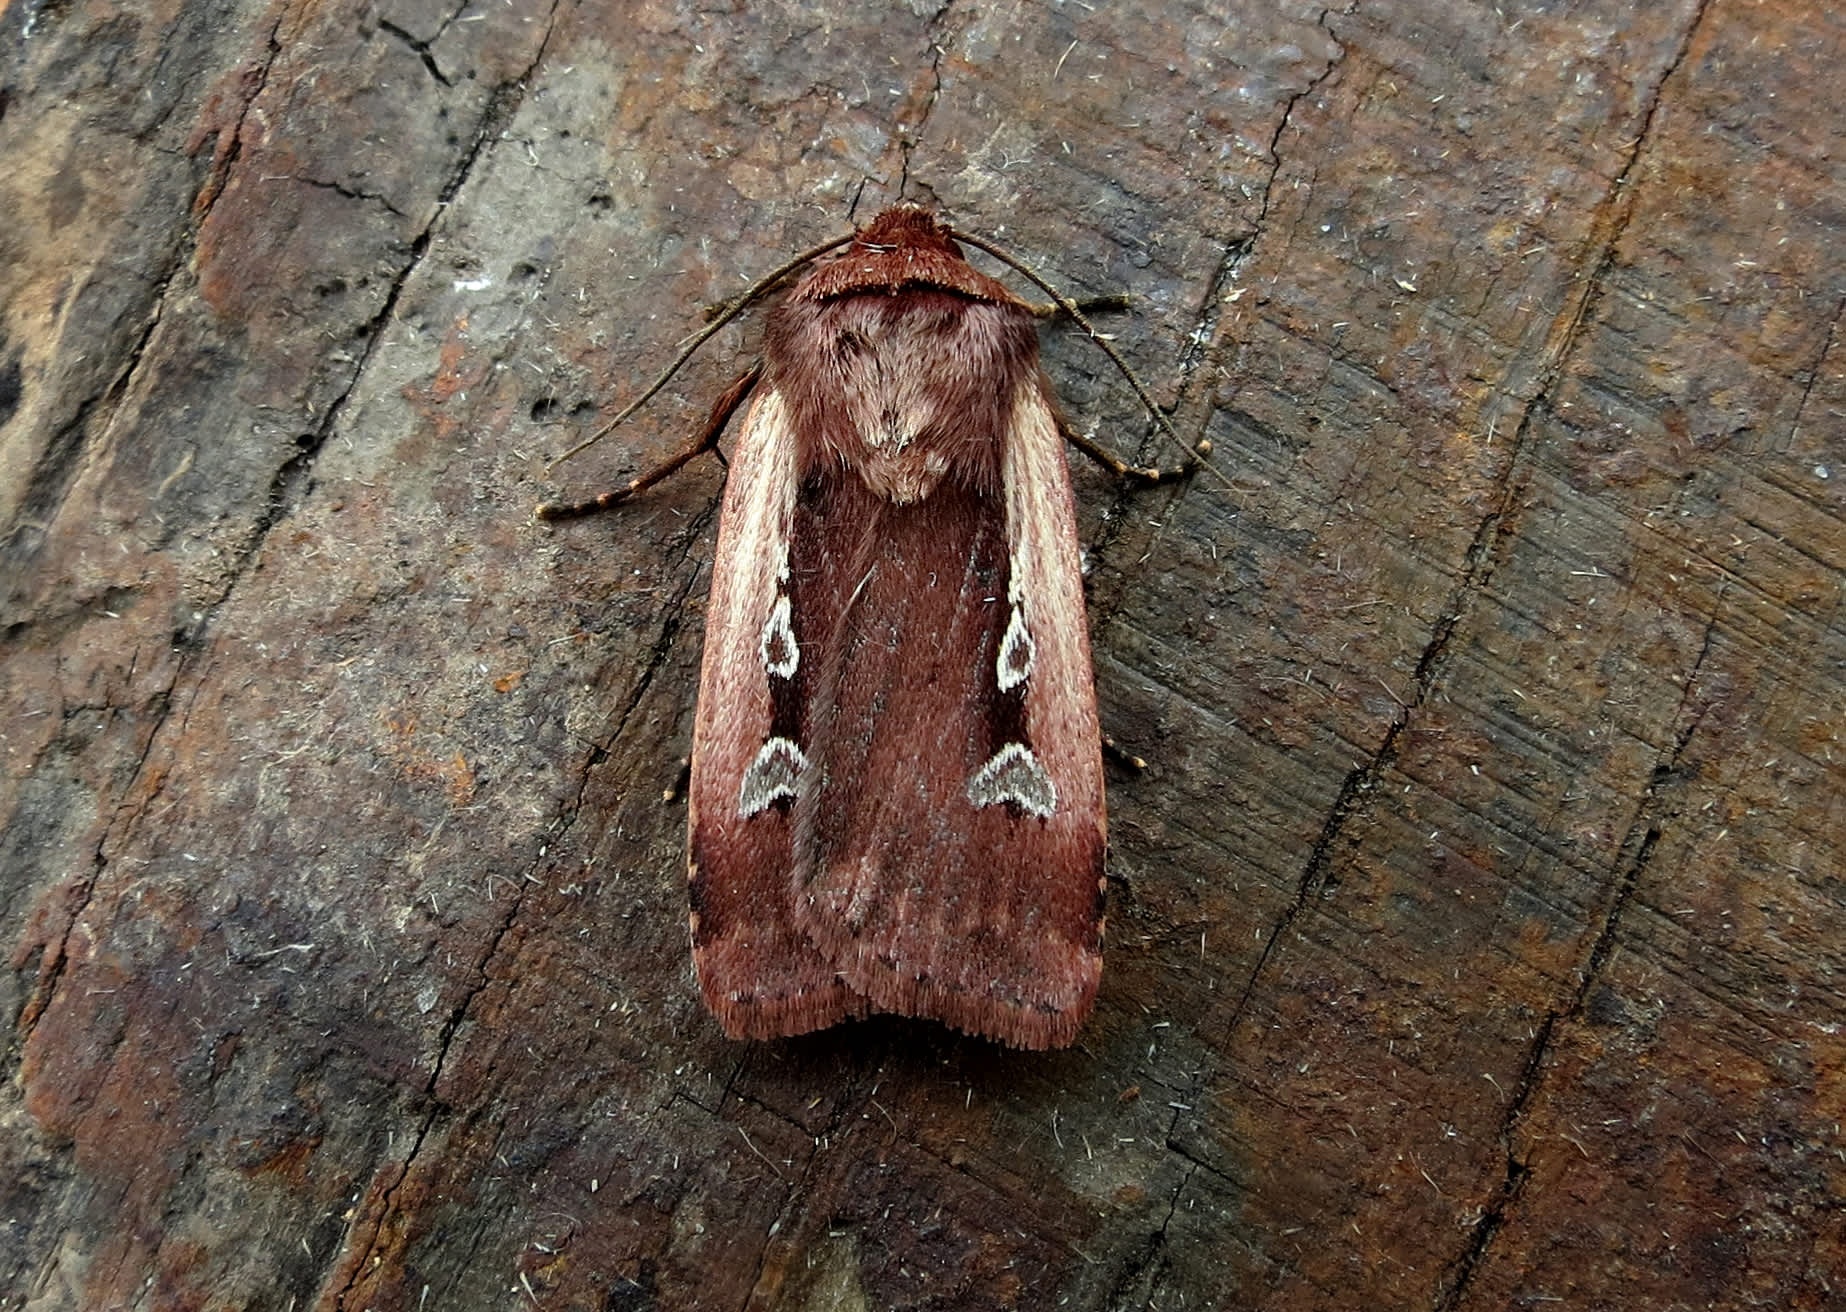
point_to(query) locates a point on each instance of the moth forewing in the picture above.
(759, 976)
(1052, 663)
(949, 856)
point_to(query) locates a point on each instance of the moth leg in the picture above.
(1148, 474)
(682, 782)
(707, 440)
(1076, 312)
(1122, 756)
(1087, 305)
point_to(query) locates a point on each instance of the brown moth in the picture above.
(897, 786)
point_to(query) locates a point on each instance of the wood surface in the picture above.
(1477, 931)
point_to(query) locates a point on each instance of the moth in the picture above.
(896, 799)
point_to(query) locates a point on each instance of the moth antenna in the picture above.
(1196, 452)
(725, 311)
(720, 315)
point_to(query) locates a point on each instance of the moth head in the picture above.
(906, 227)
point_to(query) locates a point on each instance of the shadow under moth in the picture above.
(897, 786)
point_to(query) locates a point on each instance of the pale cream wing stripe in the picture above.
(1046, 591)
(751, 572)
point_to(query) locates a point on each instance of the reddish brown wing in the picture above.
(949, 857)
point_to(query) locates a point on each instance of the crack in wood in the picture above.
(1201, 344)
(1649, 823)
(795, 1224)
(1146, 1267)
(1812, 372)
(418, 47)
(909, 137)
(500, 106)
(655, 661)
(230, 144)
(1479, 563)
(459, 1013)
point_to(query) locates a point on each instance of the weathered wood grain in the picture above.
(1477, 931)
